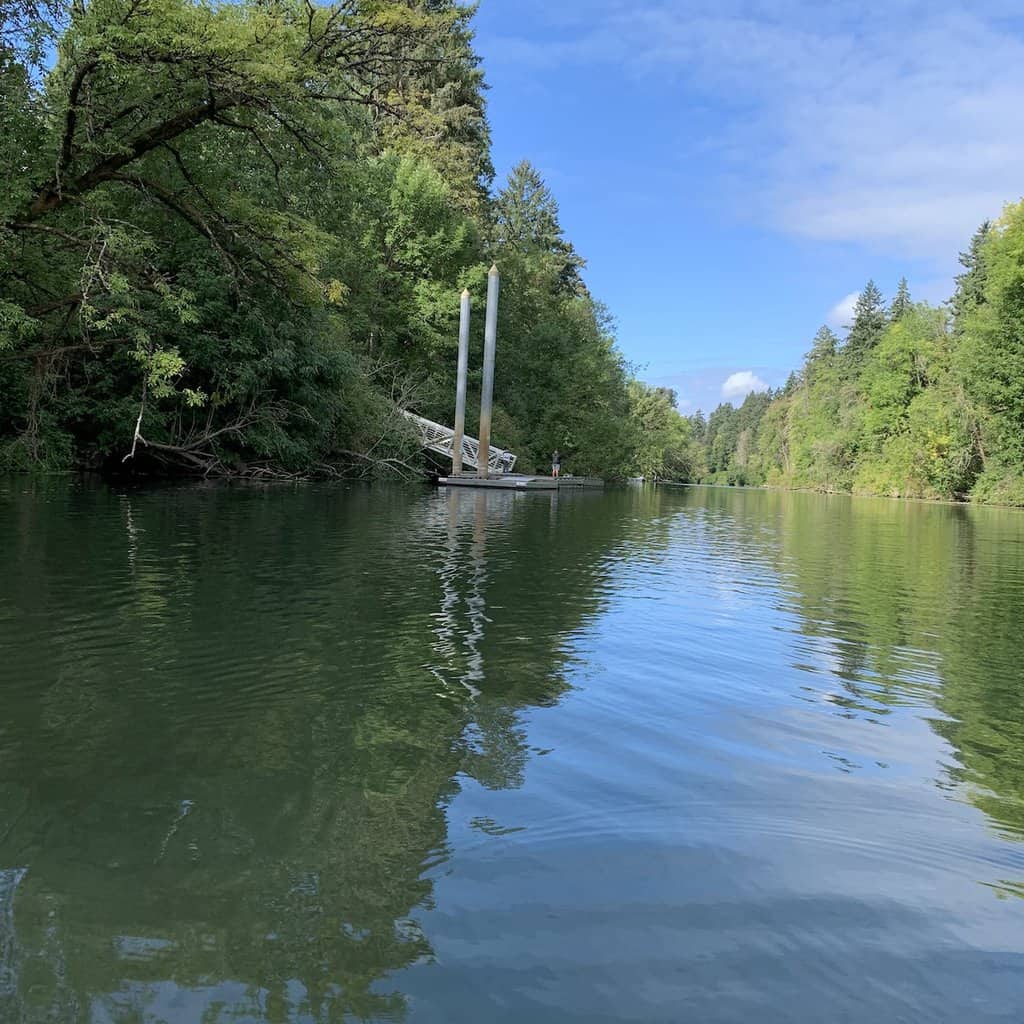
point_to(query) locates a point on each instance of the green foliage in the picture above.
(991, 353)
(901, 304)
(665, 445)
(970, 285)
(729, 441)
(918, 404)
(1000, 485)
(869, 320)
(232, 237)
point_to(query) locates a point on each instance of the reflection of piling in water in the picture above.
(465, 512)
(477, 601)
(448, 633)
(479, 525)
(448, 571)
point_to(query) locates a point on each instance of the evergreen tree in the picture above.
(526, 220)
(869, 321)
(901, 304)
(823, 352)
(970, 285)
(444, 118)
(990, 355)
(699, 425)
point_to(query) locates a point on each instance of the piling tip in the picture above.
(494, 269)
(465, 293)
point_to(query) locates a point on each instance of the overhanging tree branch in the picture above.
(52, 195)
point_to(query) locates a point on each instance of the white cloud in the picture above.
(840, 316)
(702, 385)
(894, 130)
(739, 385)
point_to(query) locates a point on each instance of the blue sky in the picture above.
(735, 171)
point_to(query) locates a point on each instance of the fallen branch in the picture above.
(137, 437)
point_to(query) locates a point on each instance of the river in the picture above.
(332, 753)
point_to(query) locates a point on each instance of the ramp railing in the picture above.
(438, 438)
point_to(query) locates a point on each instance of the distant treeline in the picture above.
(233, 237)
(915, 401)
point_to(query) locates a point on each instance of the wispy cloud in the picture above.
(846, 122)
(739, 385)
(840, 316)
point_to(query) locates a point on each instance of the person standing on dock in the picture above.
(556, 464)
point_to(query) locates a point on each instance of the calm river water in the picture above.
(325, 754)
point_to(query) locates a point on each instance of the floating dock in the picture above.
(519, 482)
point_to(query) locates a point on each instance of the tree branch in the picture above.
(71, 119)
(52, 196)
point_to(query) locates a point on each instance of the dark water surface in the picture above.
(326, 754)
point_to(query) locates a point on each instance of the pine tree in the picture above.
(824, 345)
(869, 321)
(527, 212)
(699, 423)
(444, 119)
(902, 304)
(970, 285)
(526, 220)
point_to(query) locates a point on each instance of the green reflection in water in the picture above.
(917, 603)
(234, 720)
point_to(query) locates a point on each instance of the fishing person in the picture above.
(556, 464)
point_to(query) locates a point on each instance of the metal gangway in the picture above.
(438, 438)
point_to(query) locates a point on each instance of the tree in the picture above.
(901, 304)
(869, 320)
(526, 221)
(698, 425)
(990, 356)
(441, 93)
(562, 383)
(176, 164)
(970, 285)
(822, 354)
(664, 446)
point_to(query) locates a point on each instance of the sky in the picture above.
(734, 171)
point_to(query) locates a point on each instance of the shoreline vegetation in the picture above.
(232, 238)
(917, 401)
(964, 501)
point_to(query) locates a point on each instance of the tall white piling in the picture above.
(487, 390)
(460, 385)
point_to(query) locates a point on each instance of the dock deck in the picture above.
(520, 482)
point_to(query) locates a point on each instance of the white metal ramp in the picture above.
(438, 438)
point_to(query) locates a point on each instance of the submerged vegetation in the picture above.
(917, 401)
